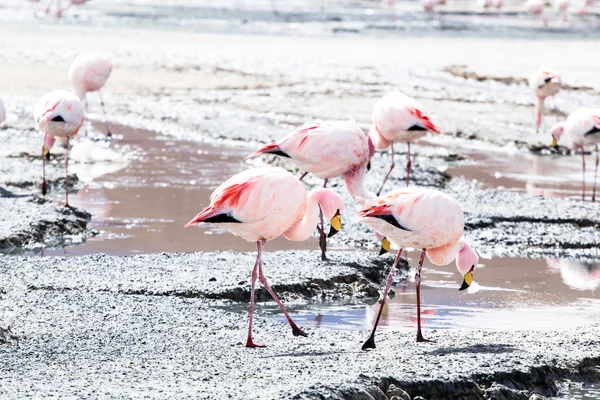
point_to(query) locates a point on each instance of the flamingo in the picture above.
(2, 112)
(536, 7)
(498, 4)
(88, 73)
(582, 129)
(58, 114)
(562, 6)
(578, 275)
(544, 83)
(261, 204)
(428, 5)
(399, 118)
(423, 219)
(60, 8)
(327, 150)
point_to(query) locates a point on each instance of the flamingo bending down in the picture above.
(422, 219)
(399, 118)
(544, 83)
(327, 150)
(582, 129)
(58, 114)
(88, 73)
(261, 204)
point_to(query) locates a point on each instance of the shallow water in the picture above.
(508, 294)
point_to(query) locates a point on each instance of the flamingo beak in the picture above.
(47, 152)
(369, 165)
(467, 281)
(336, 224)
(554, 142)
(385, 246)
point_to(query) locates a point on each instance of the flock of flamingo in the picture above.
(261, 204)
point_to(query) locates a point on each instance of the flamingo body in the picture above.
(582, 127)
(59, 113)
(89, 72)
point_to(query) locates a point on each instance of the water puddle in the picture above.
(142, 206)
(509, 294)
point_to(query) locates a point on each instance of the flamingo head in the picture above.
(556, 132)
(332, 206)
(371, 152)
(466, 261)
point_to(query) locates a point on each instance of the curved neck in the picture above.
(539, 111)
(304, 228)
(354, 180)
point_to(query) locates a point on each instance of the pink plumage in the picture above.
(422, 219)
(544, 83)
(399, 118)
(261, 204)
(58, 114)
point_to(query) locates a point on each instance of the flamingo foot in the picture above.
(66, 205)
(297, 331)
(421, 339)
(44, 188)
(251, 344)
(369, 344)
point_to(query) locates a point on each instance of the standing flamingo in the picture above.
(88, 73)
(60, 8)
(544, 83)
(536, 7)
(262, 204)
(562, 6)
(399, 118)
(582, 129)
(58, 114)
(422, 219)
(327, 150)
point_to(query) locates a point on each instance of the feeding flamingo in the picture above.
(544, 83)
(58, 114)
(261, 204)
(582, 129)
(327, 150)
(88, 73)
(422, 219)
(399, 118)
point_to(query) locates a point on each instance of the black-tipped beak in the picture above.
(385, 246)
(463, 286)
(468, 280)
(369, 165)
(336, 224)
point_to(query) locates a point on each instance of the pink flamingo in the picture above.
(399, 118)
(422, 219)
(544, 83)
(262, 204)
(88, 73)
(582, 129)
(562, 6)
(577, 274)
(536, 7)
(58, 114)
(327, 150)
(60, 8)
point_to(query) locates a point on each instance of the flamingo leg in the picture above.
(370, 343)
(389, 172)
(322, 238)
(67, 174)
(408, 166)
(44, 189)
(249, 342)
(303, 175)
(595, 174)
(261, 277)
(583, 176)
(418, 284)
(108, 132)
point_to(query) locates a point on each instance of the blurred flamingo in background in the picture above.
(536, 7)
(399, 118)
(59, 8)
(544, 83)
(88, 73)
(422, 219)
(261, 204)
(562, 6)
(581, 129)
(327, 150)
(58, 114)
(576, 274)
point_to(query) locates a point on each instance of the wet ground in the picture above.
(184, 119)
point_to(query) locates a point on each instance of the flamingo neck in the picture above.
(354, 180)
(539, 111)
(304, 227)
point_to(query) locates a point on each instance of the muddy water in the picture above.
(143, 207)
(508, 294)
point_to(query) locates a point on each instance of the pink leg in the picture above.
(108, 132)
(418, 283)
(595, 174)
(370, 343)
(389, 172)
(583, 163)
(44, 190)
(249, 342)
(322, 238)
(261, 277)
(67, 173)
(408, 166)
(303, 175)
